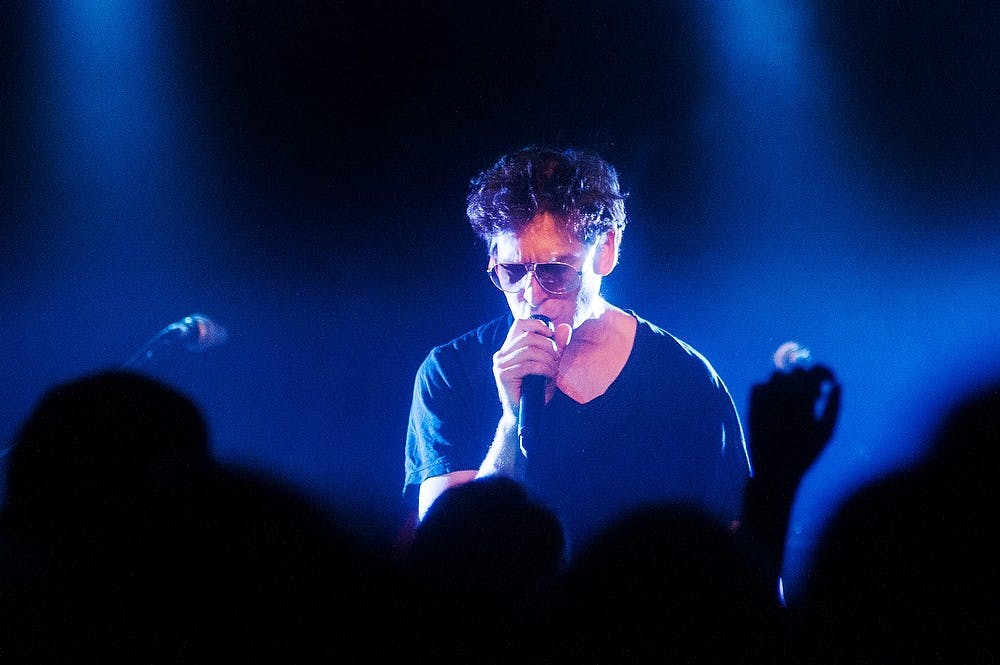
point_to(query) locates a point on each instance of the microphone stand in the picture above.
(145, 352)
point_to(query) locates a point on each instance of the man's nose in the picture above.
(533, 293)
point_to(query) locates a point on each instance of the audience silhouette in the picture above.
(664, 583)
(121, 540)
(485, 556)
(906, 570)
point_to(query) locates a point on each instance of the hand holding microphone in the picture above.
(522, 367)
(792, 415)
(532, 400)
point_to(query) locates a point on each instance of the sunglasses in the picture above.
(556, 278)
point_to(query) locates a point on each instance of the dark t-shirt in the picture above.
(665, 429)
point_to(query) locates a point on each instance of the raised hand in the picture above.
(792, 417)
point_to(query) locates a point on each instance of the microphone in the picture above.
(195, 332)
(790, 355)
(532, 400)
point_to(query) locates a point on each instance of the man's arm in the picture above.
(530, 347)
(435, 486)
(787, 433)
(504, 458)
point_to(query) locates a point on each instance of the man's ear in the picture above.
(491, 253)
(606, 256)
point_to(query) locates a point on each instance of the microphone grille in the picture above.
(791, 354)
(544, 319)
(209, 333)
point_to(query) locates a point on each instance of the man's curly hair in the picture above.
(578, 187)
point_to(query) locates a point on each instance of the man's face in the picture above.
(543, 241)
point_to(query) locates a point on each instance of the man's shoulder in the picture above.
(655, 339)
(484, 339)
(486, 335)
(663, 339)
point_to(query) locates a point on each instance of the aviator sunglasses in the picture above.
(555, 277)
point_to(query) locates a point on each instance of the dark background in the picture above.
(825, 172)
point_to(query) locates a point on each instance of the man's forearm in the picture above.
(504, 456)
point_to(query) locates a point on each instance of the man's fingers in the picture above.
(531, 358)
(822, 373)
(831, 410)
(564, 332)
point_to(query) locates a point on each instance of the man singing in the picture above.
(628, 414)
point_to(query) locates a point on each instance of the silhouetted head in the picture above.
(123, 540)
(97, 439)
(485, 554)
(665, 583)
(906, 568)
(488, 536)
